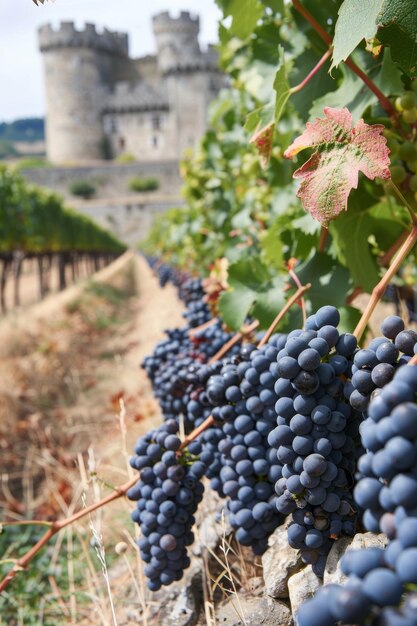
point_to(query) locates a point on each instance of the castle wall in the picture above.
(74, 92)
(111, 179)
(189, 97)
(147, 69)
(176, 41)
(128, 215)
(148, 136)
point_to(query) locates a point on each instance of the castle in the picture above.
(102, 103)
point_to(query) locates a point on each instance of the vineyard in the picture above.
(35, 226)
(277, 394)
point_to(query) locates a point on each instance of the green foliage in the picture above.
(83, 188)
(125, 157)
(143, 184)
(356, 21)
(31, 599)
(7, 150)
(35, 220)
(397, 28)
(241, 198)
(26, 129)
(32, 163)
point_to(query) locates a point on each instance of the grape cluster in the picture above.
(167, 494)
(374, 366)
(378, 578)
(178, 370)
(404, 152)
(243, 397)
(388, 488)
(315, 436)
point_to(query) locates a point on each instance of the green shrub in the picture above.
(82, 188)
(32, 163)
(7, 150)
(143, 184)
(125, 157)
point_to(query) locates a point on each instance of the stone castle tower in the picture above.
(101, 102)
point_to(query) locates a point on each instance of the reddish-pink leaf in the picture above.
(341, 152)
(263, 141)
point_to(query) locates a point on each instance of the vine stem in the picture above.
(309, 76)
(403, 200)
(385, 259)
(298, 283)
(385, 103)
(234, 340)
(196, 432)
(302, 289)
(197, 329)
(56, 526)
(380, 288)
(324, 233)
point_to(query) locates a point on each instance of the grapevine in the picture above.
(271, 392)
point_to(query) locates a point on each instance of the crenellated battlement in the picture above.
(185, 22)
(68, 36)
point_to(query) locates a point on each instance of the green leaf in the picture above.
(329, 280)
(356, 21)
(262, 121)
(245, 14)
(353, 94)
(349, 317)
(235, 305)
(397, 28)
(272, 246)
(269, 304)
(281, 85)
(350, 233)
(389, 78)
(251, 291)
(276, 5)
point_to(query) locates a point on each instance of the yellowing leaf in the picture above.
(341, 152)
(262, 140)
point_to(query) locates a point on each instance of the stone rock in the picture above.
(254, 611)
(183, 611)
(279, 562)
(302, 586)
(332, 573)
(181, 607)
(255, 585)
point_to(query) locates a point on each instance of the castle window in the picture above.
(155, 141)
(113, 124)
(156, 122)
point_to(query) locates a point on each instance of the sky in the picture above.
(21, 70)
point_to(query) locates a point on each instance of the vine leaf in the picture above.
(397, 28)
(251, 290)
(245, 14)
(356, 21)
(341, 152)
(262, 121)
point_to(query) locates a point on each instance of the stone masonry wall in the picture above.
(111, 180)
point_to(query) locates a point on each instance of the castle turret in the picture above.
(78, 70)
(176, 41)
